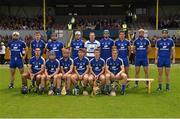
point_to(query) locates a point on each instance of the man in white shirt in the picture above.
(91, 45)
(2, 53)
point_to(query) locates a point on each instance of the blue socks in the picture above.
(122, 89)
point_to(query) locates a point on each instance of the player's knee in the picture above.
(56, 76)
(102, 78)
(73, 77)
(69, 76)
(85, 76)
(38, 77)
(59, 75)
(124, 76)
(24, 75)
(167, 74)
(90, 78)
(21, 71)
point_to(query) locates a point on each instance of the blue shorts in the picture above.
(141, 62)
(18, 63)
(126, 62)
(164, 62)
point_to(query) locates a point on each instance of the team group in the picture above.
(85, 67)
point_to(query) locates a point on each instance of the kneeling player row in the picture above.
(71, 72)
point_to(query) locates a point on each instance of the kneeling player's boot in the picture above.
(136, 84)
(58, 91)
(36, 90)
(113, 92)
(11, 85)
(68, 92)
(107, 89)
(102, 90)
(167, 87)
(160, 87)
(42, 91)
(24, 90)
(50, 92)
(85, 93)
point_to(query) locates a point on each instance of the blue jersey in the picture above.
(81, 64)
(66, 64)
(97, 65)
(37, 44)
(141, 48)
(106, 47)
(164, 47)
(114, 65)
(36, 64)
(51, 66)
(122, 47)
(56, 46)
(16, 47)
(75, 45)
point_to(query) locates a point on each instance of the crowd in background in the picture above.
(23, 23)
(86, 22)
(166, 22)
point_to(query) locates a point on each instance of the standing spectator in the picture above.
(2, 53)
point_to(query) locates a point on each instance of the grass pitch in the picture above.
(136, 102)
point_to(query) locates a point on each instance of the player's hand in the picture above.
(173, 61)
(112, 75)
(96, 77)
(156, 61)
(49, 76)
(80, 77)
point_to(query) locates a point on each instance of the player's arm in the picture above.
(42, 68)
(30, 71)
(87, 69)
(41, 71)
(149, 47)
(47, 50)
(71, 47)
(25, 52)
(9, 49)
(173, 53)
(122, 70)
(71, 67)
(91, 71)
(107, 69)
(156, 53)
(70, 70)
(46, 72)
(103, 68)
(56, 72)
(133, 47)
(129, 49)
(44, 47)
(62, 70)
(75, 70)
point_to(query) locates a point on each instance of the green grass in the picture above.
(137, 103)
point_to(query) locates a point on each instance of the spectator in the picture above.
(2, 53)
